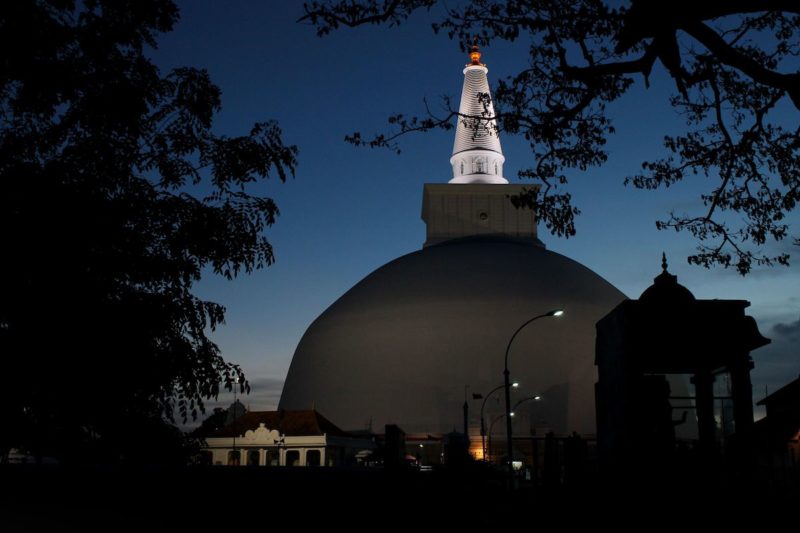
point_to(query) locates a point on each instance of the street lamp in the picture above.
(483, 427)
(236, 457)
(507, 384)
(491, 427)
(535, 398)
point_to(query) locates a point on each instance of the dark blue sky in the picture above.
(350, 210)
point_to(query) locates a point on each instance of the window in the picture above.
(253, 458)
(313, 458)
(480, 165)
(462, 168)
(293, 458)
(495, 168)
(270, 458)
(233, 458)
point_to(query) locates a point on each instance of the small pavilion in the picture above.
(670, 360)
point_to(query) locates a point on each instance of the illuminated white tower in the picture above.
(477, 200)
(477, 156)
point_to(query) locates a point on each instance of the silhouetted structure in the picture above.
(778, 433)
(642, 344)
(575, 458)
(551, 476)
(235, 411)
(456, 450)
(394, 446)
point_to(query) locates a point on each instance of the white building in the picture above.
(283, 438)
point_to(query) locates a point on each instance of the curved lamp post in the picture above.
(507, 384)
(535, 398)
(491, 427)
(483, 426)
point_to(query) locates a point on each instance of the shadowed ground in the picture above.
(239, 498)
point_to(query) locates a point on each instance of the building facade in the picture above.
(283, 438)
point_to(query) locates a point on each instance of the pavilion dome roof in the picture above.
(665, 290)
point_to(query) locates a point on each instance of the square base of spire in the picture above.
(452, 211)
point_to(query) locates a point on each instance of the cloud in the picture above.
(777, 363)
(789, 331)
(264, 392)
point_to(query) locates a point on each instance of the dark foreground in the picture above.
(365, 499)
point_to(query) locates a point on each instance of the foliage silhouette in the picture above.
(116, 196)
(734, 67)
(217, 420)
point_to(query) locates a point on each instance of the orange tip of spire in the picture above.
(475, 56)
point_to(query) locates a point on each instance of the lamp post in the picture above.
(237, 459)
(466, 416)
(491, 427)
(507, 384)
(483, 427)
(529, 398)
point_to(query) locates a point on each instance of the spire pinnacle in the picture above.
(477, 156)
(664, 261)
(475, 56)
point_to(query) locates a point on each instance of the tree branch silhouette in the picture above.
(734, 68)
(116, 198)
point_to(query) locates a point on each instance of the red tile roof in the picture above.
(290, 423)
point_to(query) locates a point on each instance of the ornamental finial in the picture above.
(475, 56)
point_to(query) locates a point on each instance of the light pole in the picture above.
(491, 427)
(507, 384)
(529, 398)
(235, 453)
(483, 427)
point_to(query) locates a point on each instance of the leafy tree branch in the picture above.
(735, 73)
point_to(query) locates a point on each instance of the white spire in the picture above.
(477, 156)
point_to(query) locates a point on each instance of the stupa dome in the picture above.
(402, 344)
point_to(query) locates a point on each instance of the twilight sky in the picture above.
(351, 210)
